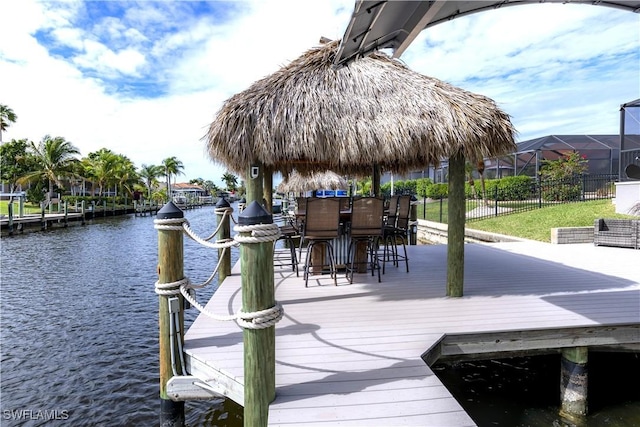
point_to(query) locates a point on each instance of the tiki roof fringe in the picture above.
(310, 116)
(298, 183)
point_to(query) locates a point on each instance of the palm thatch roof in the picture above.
(310, 116)
(298, 183)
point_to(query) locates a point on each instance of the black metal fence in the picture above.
(525, 196)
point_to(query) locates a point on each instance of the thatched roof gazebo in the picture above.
(312, 116)
(299, 183)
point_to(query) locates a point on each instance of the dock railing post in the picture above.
(257, 294)
(43, 221)
(224, 234)
(10, 208)
(170, 269)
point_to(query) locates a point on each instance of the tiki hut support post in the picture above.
(456, 218)
(375, 180)
(258, 293)
(268, 189)
(254, 183)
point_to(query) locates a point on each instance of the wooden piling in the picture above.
(455, 227)
(574, 384)
(170, 269)
(43, 221)
(84, 213)
(10, 208)
(259, 344)
(256, 264)
(65, 208)
(224, 233)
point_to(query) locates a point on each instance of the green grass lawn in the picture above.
(537, 224)
(28, 208)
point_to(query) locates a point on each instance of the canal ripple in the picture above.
(80, 325)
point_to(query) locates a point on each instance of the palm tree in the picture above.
(480, 169)
(468, 170)
(100, 166)
(210, 187)
(14, 162)
(150, 175)
(125, 175)
(230, 181)
(172, 166)
(55, 158)
(7, 116)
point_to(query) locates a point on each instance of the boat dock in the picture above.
(360, 354)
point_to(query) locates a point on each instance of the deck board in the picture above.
(351, 354)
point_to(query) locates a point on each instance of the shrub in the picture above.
(422, 186)
(516, 188)
(438, 191)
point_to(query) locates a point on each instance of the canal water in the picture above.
(79, 338)
(79, 323)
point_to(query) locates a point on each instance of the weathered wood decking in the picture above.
(353, 354)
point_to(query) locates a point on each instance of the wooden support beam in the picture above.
(456, 220)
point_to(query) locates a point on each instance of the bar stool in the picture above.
(367, 222)
(321, 224)
(397, 230)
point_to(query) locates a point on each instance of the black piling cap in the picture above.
(254, 214)
(223, 203)
(170, 211)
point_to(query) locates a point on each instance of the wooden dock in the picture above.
(37, 220)
(359, 354)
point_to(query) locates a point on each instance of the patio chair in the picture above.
(321, 226)
(395, 234)
(367, 225)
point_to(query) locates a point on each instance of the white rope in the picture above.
(225, 243)
(261, 319)
(171, 288)
(259, 233)
(181, 224)
(225, 212)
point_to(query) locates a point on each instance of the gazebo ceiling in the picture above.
(395, 24)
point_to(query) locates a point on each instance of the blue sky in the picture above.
(146, 78)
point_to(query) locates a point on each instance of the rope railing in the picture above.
(259, 233)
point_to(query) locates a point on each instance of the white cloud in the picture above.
(552, 72)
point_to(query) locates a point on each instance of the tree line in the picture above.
(54, 165)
